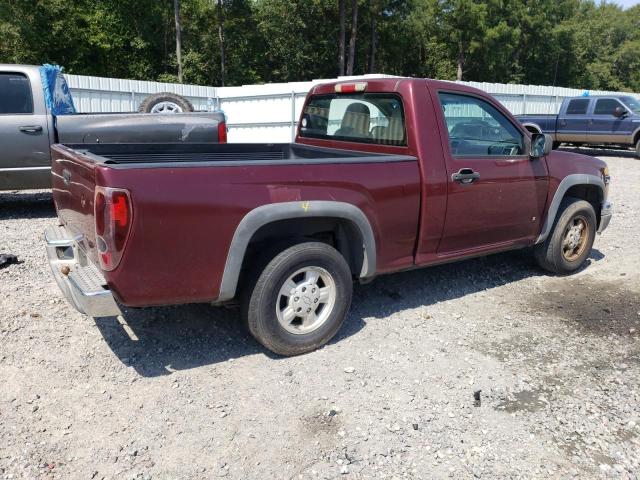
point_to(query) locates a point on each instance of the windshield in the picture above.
(632, 103)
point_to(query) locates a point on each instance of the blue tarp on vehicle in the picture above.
(56, 92)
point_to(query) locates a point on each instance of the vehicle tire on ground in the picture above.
(165, 103)
(637, 153)
(571, 238)
(300, 299)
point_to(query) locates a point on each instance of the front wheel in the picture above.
(571, 238)
(299, 301)
(638, 149)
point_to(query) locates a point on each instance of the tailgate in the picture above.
(73, 183)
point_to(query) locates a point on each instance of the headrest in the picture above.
(360, 108)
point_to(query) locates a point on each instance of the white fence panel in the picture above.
(270, 112)
(98, 94)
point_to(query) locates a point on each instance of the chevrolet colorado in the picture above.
(384, 176)
(28, 126)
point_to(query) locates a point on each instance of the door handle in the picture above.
(465, 175)
(30, 128)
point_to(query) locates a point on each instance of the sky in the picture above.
(626, 3)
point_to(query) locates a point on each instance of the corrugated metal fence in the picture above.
(269, 113)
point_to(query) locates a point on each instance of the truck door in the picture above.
(496, 193)
(605, 127)
(25, 159)
(572, 122)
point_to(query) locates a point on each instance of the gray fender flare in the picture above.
(273, 212)
(568, 182)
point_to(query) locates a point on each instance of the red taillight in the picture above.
(99, 206)
(222, 132)
(113, 214)
(120, 209)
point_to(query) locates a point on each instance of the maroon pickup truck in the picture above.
(385, 175)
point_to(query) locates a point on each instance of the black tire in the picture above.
(262, 296)
(555, 145)
(551, 254)
(637, 153)
(179, 103)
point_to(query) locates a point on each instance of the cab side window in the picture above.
(15, 94)
(578, 106)
(477, 128)
(606, 106)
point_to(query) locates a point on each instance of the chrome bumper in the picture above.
(81, 282)
(606, 212)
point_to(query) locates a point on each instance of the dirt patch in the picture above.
(576, 446)
(521, 347)
(525, 401)
(321, 424)
(594, 306)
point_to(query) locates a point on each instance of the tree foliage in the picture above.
(577, 43)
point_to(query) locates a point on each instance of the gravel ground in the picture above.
(184, 393)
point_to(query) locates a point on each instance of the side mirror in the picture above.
(619, 112)
(541, 145)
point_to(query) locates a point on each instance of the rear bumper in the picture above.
(606, 213)
(80, 280)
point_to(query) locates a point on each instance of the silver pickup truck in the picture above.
(28, 128)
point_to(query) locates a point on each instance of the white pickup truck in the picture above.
(28, 127)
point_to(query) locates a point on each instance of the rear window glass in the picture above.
(577, 107)
(15, 94)
(363, 117)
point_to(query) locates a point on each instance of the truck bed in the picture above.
(170, 155)
(188, 200)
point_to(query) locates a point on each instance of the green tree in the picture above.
(464, 24)
(299, 39)
(576, 43)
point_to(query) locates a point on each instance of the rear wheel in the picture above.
(299, 301)
(571, 239)
(638, 148)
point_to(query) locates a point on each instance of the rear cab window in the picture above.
(15, 94)
(374, 118)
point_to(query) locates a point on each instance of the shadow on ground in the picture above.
(158, 341)
(600, 152)
(15, 205)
